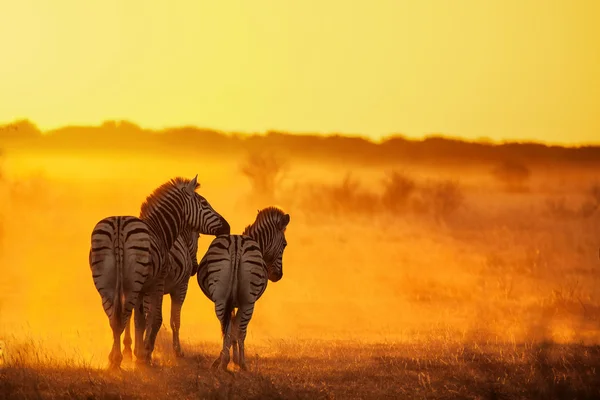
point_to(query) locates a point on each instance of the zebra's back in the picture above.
(233, 269)
(120, 261)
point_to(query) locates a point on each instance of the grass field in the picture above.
(421, 284)
(301, 369)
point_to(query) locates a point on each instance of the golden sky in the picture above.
(503, 69)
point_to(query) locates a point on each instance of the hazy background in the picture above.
(399, 241)
(392, 239)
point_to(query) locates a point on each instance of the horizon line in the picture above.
(484, 140)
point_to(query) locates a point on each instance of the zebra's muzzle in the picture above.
(225, 229)
(275, 276)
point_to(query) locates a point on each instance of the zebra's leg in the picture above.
(234, 340)
(177, 298)
(127, 354)
(140, 326)
(243, 316)
(115, 357)
(153, 322)
(224, 357)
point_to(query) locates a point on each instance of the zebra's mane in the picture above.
(159, 193)
(264, 214)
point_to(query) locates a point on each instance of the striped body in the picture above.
(183, 262)
(120, 264)
(233, 269)
(128, 259)
(181, 265)
(234, 274)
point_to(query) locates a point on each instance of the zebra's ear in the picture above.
(191, 187)
(285, 220)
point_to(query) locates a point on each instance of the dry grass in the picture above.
(420, 284)
(300, 369)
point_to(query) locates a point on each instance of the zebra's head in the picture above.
(202, 217)
(269, 231)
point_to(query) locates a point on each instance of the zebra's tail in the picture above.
(234, 257)
(227, 317)
(106, 263)
(119, 296)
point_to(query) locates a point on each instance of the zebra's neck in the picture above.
(260, 235)
(190, 238)
(166, 221)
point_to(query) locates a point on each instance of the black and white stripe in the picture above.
(234, 273)
(128, 258)
(182, 264)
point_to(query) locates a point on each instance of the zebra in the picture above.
(182, 265)
(234, 273)
(128, 255)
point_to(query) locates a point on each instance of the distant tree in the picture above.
(24, 128)
(266, 172)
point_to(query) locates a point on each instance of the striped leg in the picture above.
(177, 299)
(127, 354)
(225, 320)
(115, 357)
(140, 326)
(154, 320)
(243, 316)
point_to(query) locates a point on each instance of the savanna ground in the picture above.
(405, 282)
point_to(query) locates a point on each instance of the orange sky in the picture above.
(508, 69)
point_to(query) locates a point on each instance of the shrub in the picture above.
(397, 189)
(345, 198)
(441, 199)
(349, 196)
(559, 209)
(590, 206)
(512, 175)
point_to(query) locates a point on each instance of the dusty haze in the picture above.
(399, 252)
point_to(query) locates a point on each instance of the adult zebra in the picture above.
(181, 265)
(234, 273)
(128, 255)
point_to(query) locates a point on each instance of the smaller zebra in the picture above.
(181, 266)
(234, 273)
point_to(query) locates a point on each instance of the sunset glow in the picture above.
(470, 69)
(435, 165)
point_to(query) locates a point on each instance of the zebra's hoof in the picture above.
(127, 355)
(113, 366)
(143, 361)
(179, 354)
